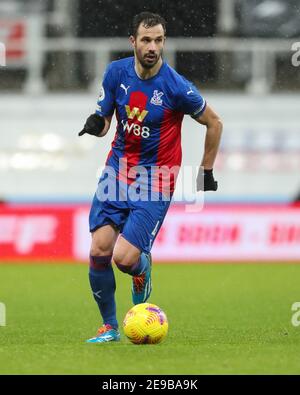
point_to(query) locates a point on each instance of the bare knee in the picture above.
(125, 255)
(121, 258)
(103, 241)
(99, 251)
(100, 247)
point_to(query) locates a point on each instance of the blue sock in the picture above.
(138, 268)
(102, 281)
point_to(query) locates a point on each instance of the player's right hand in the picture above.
(93, 125)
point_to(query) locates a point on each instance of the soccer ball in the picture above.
(145, 323)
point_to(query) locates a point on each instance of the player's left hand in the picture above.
(206, 181)
(94, 125)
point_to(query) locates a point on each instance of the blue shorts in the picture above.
(138, 221)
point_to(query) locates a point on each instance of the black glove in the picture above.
(94, 125)
(209, 182)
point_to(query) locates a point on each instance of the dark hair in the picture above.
(148, 19)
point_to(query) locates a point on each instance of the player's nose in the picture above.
(152, 46)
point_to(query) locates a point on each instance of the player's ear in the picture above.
(132, 40)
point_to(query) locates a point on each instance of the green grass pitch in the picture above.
(223, 319)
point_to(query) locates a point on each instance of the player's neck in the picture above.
(145, 73)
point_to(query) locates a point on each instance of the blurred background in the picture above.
(239, 54)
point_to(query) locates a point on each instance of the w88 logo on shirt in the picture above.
(136, 129)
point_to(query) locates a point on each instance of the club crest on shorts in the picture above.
(156, 98)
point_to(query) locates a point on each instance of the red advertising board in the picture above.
(228, 233)
(231, 233)
(13, 32)
(33, 232)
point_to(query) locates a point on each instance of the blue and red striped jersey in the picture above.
(149, 114)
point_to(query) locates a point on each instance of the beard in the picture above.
(149, 60)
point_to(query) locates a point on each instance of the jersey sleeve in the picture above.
(106, 101)
(190, 100)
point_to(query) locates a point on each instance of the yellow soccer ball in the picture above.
(145, 323)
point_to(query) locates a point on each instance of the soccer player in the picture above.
(150, 99)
